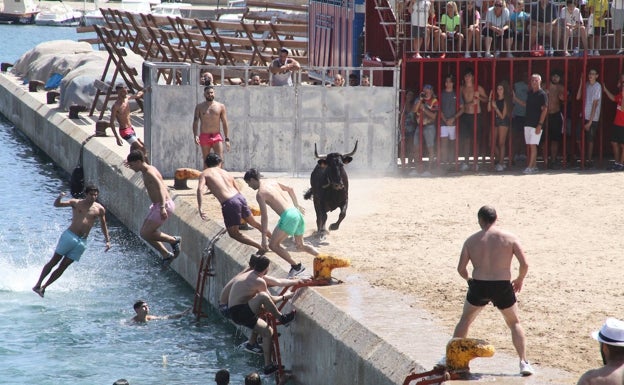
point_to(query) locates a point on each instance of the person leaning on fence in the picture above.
(544, 17)
(471, 24)
(409, 122)
(450, 25)
(426, 112)
(571, 23)
(448, 120)
(282, 68)
(617, 138)
(500, 103)
(537, 109)
(497, 26)
(591, 113)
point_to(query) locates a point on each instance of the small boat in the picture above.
(19, 12)
(135, 6)
(60, 15)
(172, 9)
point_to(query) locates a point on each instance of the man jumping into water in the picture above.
(73, 241)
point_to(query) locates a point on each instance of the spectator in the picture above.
(419, 10)
(433, 31)
(611, 339)
(365, 81)
(208, 118)
(120, 113)
(591, 114)
(426, 112)
(470, 124)
(222, 377)
(338, 81)
(617, 138)
(282, 68)
(598, 10)
(518, 19)
(471, 21)
(501, 104)
(409, 121)
(450, 26)
(354, 80)
(571, 23)
(544, 16)
(497, 26)
(617, 23)
(520, 92)
(536, 108)
(448, 120)
(206, 78)
(255, 80)
(556, 96)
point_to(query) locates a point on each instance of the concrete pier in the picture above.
(344, 334)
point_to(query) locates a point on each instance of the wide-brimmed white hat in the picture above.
(611, 333)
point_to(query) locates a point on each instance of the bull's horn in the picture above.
(354, 149)
(317, 156)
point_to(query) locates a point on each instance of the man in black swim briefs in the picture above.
(491, 251)
(249, 296)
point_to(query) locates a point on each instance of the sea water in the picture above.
(80, 332)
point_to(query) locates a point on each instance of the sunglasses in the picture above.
(498, 5)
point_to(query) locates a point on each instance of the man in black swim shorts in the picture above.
(491, 251)
(249, 296)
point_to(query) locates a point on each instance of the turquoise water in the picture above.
(79, 333)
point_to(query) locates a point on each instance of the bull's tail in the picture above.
(308, 194)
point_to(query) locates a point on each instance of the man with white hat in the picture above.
(611, 338)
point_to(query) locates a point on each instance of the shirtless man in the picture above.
(73, 241)
(252, 345)
(162, 207)
(491, 251)
(233, 203)
(249, 296)
(121, 113)
(611, 339)
(207, 120)
(291, 222)
(556, 96)
(142, 313)
(471, 98)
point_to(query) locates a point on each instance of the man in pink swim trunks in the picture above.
(121, 113)
(207, 120)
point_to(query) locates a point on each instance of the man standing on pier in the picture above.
(73, 241)
(121, 113)
(161, 209)
(207, 120)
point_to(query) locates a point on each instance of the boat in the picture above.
(60, 15)
(135, 6)
(19, 12)
(172, 9)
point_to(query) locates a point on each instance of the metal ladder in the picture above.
(205, 271)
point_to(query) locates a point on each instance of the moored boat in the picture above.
(19, 12)
(60, 15)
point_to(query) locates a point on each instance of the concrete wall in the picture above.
(273, 128)
(324, 345)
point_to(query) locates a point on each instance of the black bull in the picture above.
(330, 187)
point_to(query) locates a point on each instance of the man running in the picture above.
(73, 241)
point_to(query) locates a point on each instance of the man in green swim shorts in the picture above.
(291, 221)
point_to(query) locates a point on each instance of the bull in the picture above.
(329, 187)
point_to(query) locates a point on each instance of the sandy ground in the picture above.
(406, 234)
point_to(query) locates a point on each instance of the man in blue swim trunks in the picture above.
(491, 252)
(291, 221)
(73, 241)
(233, 204)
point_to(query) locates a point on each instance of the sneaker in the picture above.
(296, 270)
(463, 167)
(499, 167)
(253, 349)
(566, 53)
(479, 54)
(426, 174)
(467, 55)
(528, 170)
(416, 56)
(509, 54)
(443, 56)
(285, 319)
(175, 246)
(526, 369)
(270, 369)
(620, 52)
(596, 53)
(488, 55)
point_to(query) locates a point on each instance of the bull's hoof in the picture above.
(322, 235)
(334, 226)
(308, 194)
